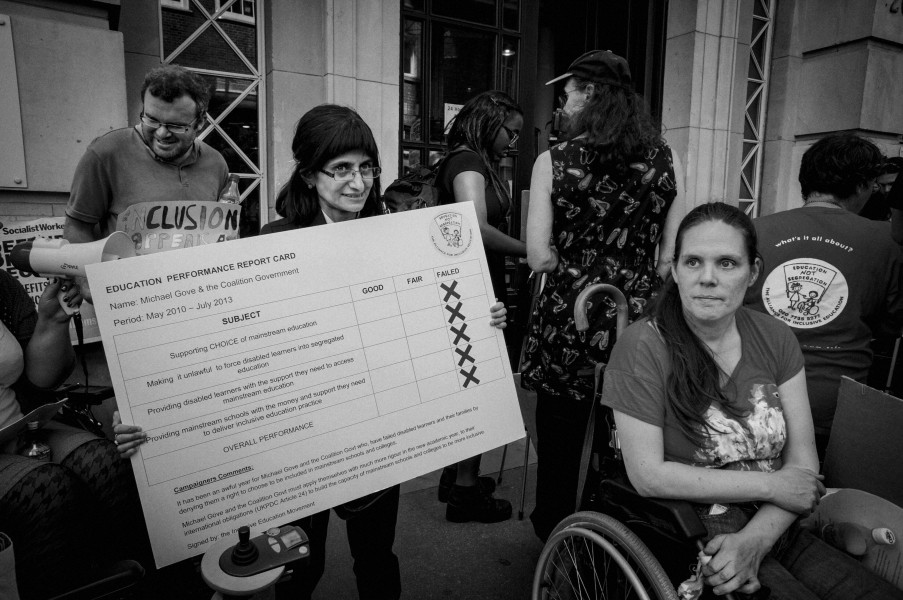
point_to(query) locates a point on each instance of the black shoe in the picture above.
(447, 480)
(472, 504)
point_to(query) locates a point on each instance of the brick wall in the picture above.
(210, 51)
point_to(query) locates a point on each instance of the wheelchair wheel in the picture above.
(593, 556)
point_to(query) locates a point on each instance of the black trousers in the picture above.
(371, 534)
(560, 426)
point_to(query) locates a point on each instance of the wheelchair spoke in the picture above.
(586, 561)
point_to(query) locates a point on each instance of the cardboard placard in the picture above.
(866, 444)
(172, 225)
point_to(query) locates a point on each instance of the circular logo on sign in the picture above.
(805, 292)
(451, 233)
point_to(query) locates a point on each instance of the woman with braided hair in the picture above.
(487, 127)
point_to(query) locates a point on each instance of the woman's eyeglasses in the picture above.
(171, 127)
(344, 174)
(513, 136)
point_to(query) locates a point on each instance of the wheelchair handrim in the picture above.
(622, 562)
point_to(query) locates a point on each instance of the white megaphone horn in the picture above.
(58, 258)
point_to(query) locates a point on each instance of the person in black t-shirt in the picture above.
(487, 127)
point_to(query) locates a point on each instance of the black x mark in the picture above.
(455, 312)
(459, 333)
(450, 291)
(465, 355)
(468, 377)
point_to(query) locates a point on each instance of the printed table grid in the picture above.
(381, 336)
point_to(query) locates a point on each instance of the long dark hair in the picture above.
(322, 133)
(476, 127)
(695, 380)
(616, 122)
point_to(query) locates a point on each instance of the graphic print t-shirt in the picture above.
(637, 375)
(834, 278)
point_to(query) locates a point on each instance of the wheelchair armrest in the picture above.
(679, 513)
(124, 575)
(79, 395)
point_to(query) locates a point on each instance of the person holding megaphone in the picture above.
(52, 511)
(58, 258)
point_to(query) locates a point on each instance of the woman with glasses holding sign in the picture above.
(600, 203)
(483, 132)
(336, 178)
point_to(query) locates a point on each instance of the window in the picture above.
(451, 52)
(176, 4)
(226, 53)
(240, 10)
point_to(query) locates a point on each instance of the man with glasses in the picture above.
(158, 159)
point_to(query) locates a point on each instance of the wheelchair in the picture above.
(117, 580)
(602, 552)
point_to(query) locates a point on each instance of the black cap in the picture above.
(599, 66)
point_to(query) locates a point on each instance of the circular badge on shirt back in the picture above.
(805, 292)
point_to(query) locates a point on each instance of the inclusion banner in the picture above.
(176, 224)
(285, 374)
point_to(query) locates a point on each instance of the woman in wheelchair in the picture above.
(710, 405)
(60, 515)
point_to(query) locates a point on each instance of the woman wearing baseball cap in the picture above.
(600, 204)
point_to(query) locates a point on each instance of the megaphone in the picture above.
(58, 258)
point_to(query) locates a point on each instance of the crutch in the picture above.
(538, 283)
(581, 322)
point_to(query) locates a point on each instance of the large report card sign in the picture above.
(282, 375)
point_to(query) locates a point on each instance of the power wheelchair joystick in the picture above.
(252, 567)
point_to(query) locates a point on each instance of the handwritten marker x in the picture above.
(459, 333)
(468, 377)
(455, 313)
(465, 355)
(450, 291)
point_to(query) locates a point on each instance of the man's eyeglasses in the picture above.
(513, 136)
(563, 98)
(172, 127)
(344, 174)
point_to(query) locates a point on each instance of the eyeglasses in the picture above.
(172, 127)
(513, 136)
(563, 98)
(344, 174)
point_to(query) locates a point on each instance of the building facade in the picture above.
(742, 88)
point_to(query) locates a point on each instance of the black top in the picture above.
(606, 223)
(496, 208)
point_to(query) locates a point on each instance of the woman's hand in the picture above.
(734, 564)
(127, 437)
(796, 489)
(497, 316)
(50, 309)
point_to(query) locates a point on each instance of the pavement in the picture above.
(442, 560)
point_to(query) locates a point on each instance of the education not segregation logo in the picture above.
(805, 292)
(451, 233)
